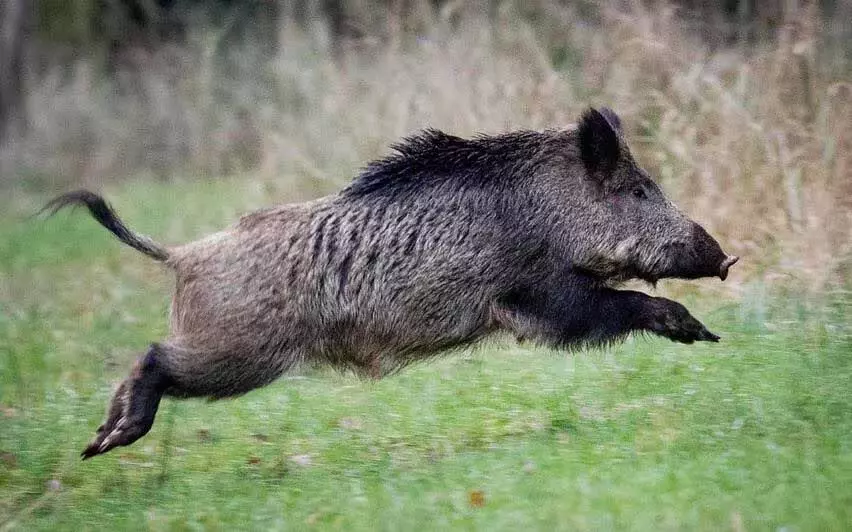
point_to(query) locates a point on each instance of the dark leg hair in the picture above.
(579, 313)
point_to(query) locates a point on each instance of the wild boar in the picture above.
(434, 247)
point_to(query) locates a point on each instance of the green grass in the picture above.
(754, 433)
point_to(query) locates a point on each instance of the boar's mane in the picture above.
(434, 158)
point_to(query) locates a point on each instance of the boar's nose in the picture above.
(726, 264)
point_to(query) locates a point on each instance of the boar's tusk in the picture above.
(726, 264)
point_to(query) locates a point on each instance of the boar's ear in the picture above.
(599, 133)
(612, 118)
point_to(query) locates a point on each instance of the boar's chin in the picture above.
(694, 269)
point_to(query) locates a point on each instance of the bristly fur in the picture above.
(432, 157)
(436, 247)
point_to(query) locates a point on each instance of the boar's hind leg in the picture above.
(179, 372)
(580, 314)
(134, 404)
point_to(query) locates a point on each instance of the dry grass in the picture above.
(755, 142)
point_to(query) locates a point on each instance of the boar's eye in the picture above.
(639, 192)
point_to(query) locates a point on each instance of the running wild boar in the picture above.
(435, 247)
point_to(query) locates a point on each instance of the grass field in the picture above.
(754, 433)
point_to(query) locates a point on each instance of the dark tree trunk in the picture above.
(14, 26)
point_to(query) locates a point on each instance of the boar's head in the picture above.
(617, 222)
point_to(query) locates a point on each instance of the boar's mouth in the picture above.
(690, 268)
(701, 257)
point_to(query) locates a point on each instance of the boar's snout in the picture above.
(706, 258)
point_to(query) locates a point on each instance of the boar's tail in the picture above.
(104, 214)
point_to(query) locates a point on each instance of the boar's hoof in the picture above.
(673, 321)
(692, 333)
(726, 264)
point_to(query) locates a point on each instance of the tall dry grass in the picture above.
(753, 140)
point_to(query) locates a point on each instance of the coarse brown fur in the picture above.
(433, 248)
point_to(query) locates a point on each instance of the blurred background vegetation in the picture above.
(742, 108)
(186, 114)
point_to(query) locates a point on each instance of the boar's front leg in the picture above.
(671, 319)
(579, 314)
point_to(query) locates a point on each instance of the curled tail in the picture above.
(104, 214)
